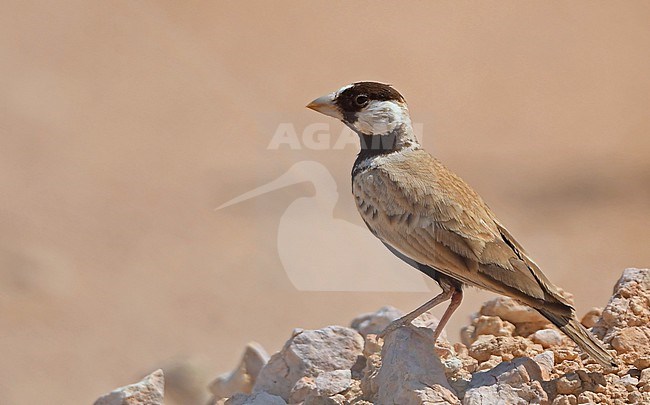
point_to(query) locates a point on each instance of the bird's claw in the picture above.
(425, 332)
(392, 327)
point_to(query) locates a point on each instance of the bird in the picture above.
(431, 219)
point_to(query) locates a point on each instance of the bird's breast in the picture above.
(365, 195)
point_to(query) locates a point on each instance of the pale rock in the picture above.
(307, 354)
(185, 381)
(628, 307)
(428, 320)
(372, 353)
(469, 363)
(515, 382)
(629, 382)
(490, 363)
(301, 389)
(258, 398)
(565, 353)
(588, 397)
(326, 384)
(645, 376)
(632, 339)
(491, 325)
(335, 366)
(372, 345)
(410, 373)
(512, 311)
(642, 362)
(483, 347)
(150, 390)
(323, 400)
(547, 338)
(568, 384)
(243, 377)
(565, 400)
(508, 347)
(375, 322)
(592, 381)
(633, 280)
(452, 365)
(626, 318)
(467, 335)
(333, 382)
(528, 328)
(590, 319)
(546, 362)
(638, 398)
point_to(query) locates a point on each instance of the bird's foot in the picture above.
(393, 326)
(424, 332)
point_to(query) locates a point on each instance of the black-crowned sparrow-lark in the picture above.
(431, 219)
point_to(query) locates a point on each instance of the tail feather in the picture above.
(581, 336)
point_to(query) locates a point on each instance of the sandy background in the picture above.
(124, 124)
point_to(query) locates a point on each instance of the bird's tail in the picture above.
(581, 336)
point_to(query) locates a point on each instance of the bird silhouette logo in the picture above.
(321, 253)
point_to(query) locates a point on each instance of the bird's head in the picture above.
(368, 108)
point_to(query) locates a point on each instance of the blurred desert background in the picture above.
(123, 125)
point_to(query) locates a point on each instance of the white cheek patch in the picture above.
(381, 117)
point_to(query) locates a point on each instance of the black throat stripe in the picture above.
(376, 145)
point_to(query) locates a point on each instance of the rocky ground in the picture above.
(509, 354)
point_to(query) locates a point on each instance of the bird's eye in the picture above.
(361, 100)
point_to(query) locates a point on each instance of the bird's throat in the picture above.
(375, 146)
(398, 139)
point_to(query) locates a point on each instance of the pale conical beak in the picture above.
(325, 105)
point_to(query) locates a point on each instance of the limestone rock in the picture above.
(243, 377)
(507, 347)
(510, 355)
(410, 371)
(326, 384)
(511, 311)
(258, 398)
(490, 325)
(185, 381)
(568, 384)
(634, 339)
(375, 322)
(515, 382)
(546, 361)
(625, 321)
(565, 400)
(629, 305)
(525, 319)
(150, 390)
(592, 316)
(547, 338)
(307, 354)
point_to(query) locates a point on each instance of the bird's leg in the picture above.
(456, 298)
(408, 318)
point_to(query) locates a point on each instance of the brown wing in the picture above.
(412, 202)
